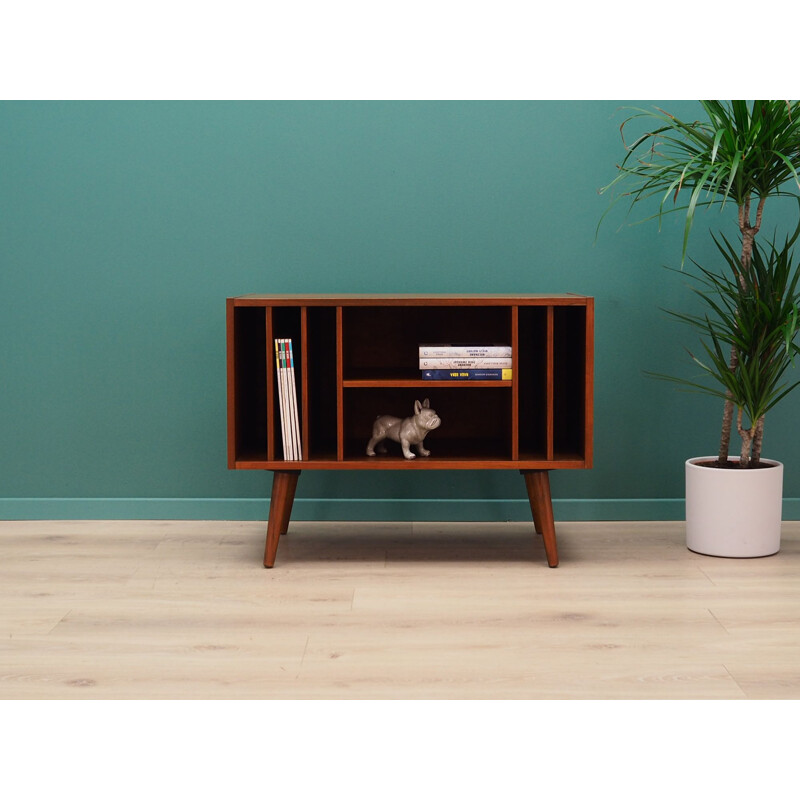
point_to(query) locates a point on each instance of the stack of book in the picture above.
(287, 395)
(465, 362)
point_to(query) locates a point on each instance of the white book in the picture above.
(282, 398)
(295, 413)
(465, 363)
(465, 351)
(288, 389)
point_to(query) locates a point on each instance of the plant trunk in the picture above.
(747, 441)
(727, 415)
(748, 232)
(757, 440)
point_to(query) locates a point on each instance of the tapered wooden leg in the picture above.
(284, 484)
(537, 516)
(289, 502)
(537, 482)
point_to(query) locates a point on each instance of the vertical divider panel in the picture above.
(270, 366)
(339, 386)
(515, 367)
(305, 437)
(550, 386)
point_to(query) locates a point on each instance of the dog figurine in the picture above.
(408, 432)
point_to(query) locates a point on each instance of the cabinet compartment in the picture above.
(569, 382)
(320, 406)
(283, 322)
(532, 380)
(249, 379)
(383, 342)
(476, 423)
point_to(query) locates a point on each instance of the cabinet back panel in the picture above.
(532, 379)
(569, 346)
(321, 402)
(250, 349)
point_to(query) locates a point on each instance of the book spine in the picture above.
(290, 402)
(295, 415)
(466, 374)
(464, 351)
(464, 363)
(287, 401)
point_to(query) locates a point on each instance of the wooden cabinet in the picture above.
(357, 356)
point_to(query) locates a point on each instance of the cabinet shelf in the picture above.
(377, 383)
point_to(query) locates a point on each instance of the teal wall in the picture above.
(125, 225)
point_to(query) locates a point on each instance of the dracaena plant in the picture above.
(744, 153)
(756, 313)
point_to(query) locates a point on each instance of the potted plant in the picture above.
(745, 153)
(734, 508)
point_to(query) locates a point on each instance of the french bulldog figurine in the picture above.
(409, 431)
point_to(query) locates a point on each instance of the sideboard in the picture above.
(357, 356)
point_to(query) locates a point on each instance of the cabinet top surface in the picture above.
(410, 299)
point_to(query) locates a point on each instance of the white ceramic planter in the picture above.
(735, 513)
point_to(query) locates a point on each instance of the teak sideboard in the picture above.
(357, 356)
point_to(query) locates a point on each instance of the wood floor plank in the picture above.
(181, 609)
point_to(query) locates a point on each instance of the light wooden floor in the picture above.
(143, 609)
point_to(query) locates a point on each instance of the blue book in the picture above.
(466, 374)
